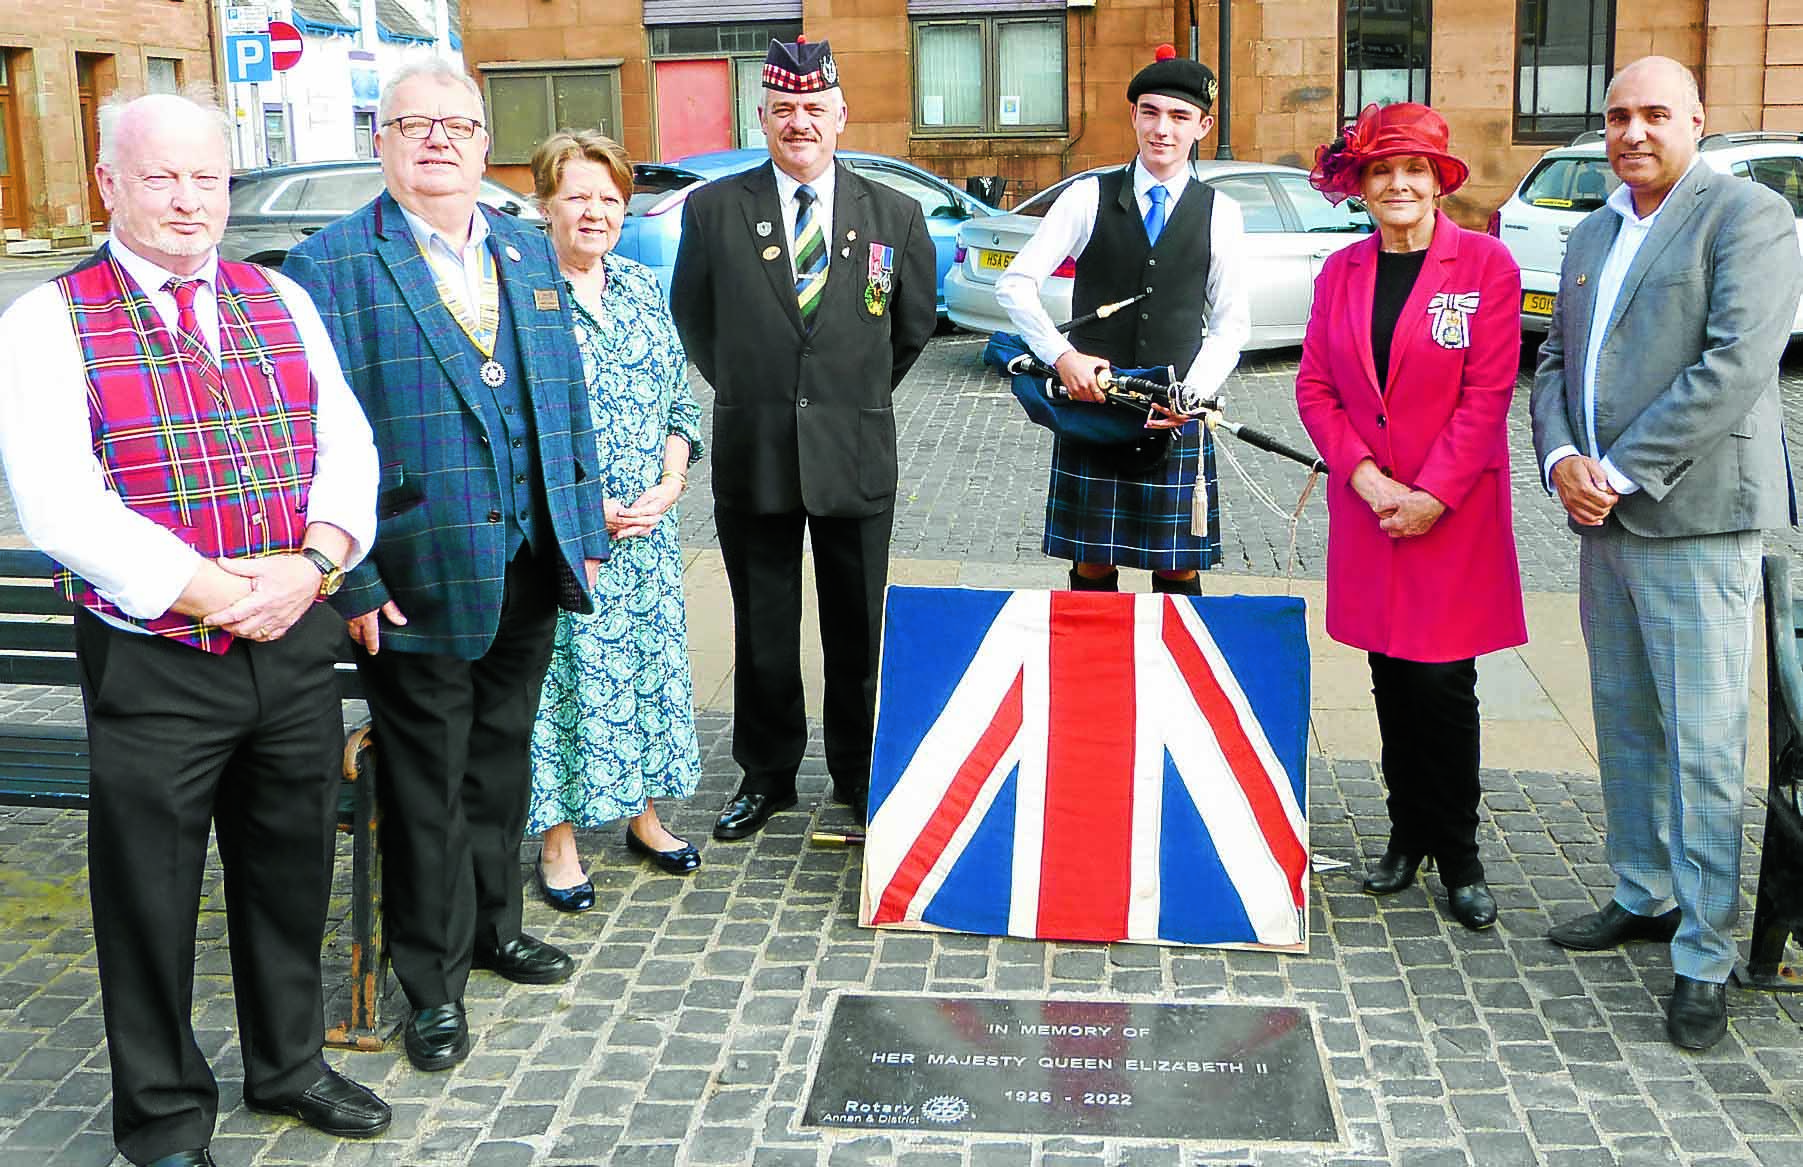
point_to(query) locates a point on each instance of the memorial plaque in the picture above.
(1109, 1069)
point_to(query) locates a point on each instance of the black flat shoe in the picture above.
(525, 960)
(681, 861)
(1472, 905)
(1612, 926)
(334, 1104)
(199, 1158)
(1697, 1015)
(1394, 872)
(746, 814)
(436, 1038)
(565, 899)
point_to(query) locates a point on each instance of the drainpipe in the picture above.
(1224, 75)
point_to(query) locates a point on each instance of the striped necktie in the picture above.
(810, 255)
(188, 339)
(1155, 213)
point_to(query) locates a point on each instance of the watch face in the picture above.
(331, 582)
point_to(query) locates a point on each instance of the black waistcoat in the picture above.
(1165, 328)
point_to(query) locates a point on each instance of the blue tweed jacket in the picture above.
(440, 546)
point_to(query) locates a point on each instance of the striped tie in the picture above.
(810, 256)
(188, 339)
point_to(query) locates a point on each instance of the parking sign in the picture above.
(247, 59)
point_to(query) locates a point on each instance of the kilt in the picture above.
(1094, 514)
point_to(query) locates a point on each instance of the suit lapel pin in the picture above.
(772, 251)
(513, 253)
(845, 253)
(1580, 279)
(851, 236)
(764, 229)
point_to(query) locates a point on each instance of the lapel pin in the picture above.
(845, 253)
(544, 299)
(772, 251)
(851, 236)
(513, 253)
(1580, 279)
(764, 229)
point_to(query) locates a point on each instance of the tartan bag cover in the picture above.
(228, 472)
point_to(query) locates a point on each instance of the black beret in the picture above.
(1174, 76)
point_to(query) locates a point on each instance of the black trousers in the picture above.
(453, 780)
(1427, 715)
(248, 741)
(762, 554)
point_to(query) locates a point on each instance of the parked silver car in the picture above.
(1290, 232)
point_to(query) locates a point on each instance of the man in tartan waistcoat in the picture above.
(457, 336)
(178, 435)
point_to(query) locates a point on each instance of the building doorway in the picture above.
(94, 79)
(12, 170)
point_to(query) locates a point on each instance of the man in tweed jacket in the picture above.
(455, 334)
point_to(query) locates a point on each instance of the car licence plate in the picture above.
(994, 260)
(1538, 303)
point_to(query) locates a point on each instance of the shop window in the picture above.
(1385, 53)
(526, 106)
(989, 75)
(1562, 54)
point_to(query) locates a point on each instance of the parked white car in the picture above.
(1290, 232)
(1571, 181)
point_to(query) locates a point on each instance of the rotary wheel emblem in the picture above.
(945, 1109)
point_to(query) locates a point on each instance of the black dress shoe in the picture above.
(746, 814)
(1612, 926)
(1697, 1015)
(200, 1158)
(334, 1104)
(526, 960)
(437, 1038)
(1394, 872)
(681, 861)
(565, 899)
(1472, 905)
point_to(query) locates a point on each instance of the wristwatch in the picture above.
(331, 576)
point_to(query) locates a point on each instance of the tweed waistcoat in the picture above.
(227, 472)
(1165, 328)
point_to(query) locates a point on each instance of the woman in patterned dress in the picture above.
(616, 722)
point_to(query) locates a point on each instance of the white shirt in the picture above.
(47, 447)
(823, 208)
(1634, 231)
(1065, 232)
(458, 269)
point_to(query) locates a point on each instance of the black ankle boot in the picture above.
(1108, 583)
(1178, 587)
(1394, 872)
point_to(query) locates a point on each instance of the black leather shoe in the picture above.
(526, 960)
(1697, 1015)
(565, 899)
(437, 1038)
(334, 1104)
(200, 1158)
(681, 861)
(1394, 872)
(1472, 905)
(746, 814)
(1612, 926)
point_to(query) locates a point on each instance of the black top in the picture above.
(1396, 275)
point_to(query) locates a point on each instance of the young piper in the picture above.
(1145, 229)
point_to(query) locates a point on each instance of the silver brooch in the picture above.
(764, 229)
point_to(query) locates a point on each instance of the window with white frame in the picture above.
(990, 75)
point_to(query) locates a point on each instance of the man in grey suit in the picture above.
(1657, 420)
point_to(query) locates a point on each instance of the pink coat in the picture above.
(1454, 592)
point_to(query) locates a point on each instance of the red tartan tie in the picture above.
(188, 339)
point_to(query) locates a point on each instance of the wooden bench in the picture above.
(47, 765)
(1778, 903)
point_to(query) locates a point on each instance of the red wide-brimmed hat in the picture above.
(1385, 132)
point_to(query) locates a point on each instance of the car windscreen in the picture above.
(1039, 204)
(1570, 184)
(650, 184)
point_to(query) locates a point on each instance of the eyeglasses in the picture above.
(420, 126)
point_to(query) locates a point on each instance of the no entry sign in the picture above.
(285, 45)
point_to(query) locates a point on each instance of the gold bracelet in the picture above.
(682, 480)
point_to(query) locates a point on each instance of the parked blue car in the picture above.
(653, 226)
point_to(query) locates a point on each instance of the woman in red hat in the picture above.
(1407, 370)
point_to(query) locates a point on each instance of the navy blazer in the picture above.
(440, 550)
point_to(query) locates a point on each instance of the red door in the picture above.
(694, 107)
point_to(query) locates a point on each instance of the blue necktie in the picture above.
(1155, 213)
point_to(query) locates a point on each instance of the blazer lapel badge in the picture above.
(763, 229)
(1451, 313)
(881, 278)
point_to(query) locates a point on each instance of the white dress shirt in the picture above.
(64, 504)
(1634, 231)
(457, 268)
(1065, 231)
(823, 208)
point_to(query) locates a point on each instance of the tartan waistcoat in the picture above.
(228, 472)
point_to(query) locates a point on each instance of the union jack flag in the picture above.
(1085, 766)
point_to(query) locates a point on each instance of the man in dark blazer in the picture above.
(455, 333)
(803, 294)
(1658, 424)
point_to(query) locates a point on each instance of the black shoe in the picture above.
(746, 814)
(437, 1038)
(1472, 905)
(200, 1158)
(1697, 1016)
(1612, 926)
(1082, 583)
(526, 960)
(565, 899)
(334, 1104)
(681, 861)
(1394, 872)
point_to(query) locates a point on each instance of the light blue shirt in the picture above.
(460, 271)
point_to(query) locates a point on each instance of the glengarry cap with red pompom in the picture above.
(1172, 76)
(800, 67)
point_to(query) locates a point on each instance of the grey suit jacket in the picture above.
(1687, 378)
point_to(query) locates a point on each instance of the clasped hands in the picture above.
(1079, 373)
(257, 598)
(1583, 487)
(1404, 512)
(640, 518)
